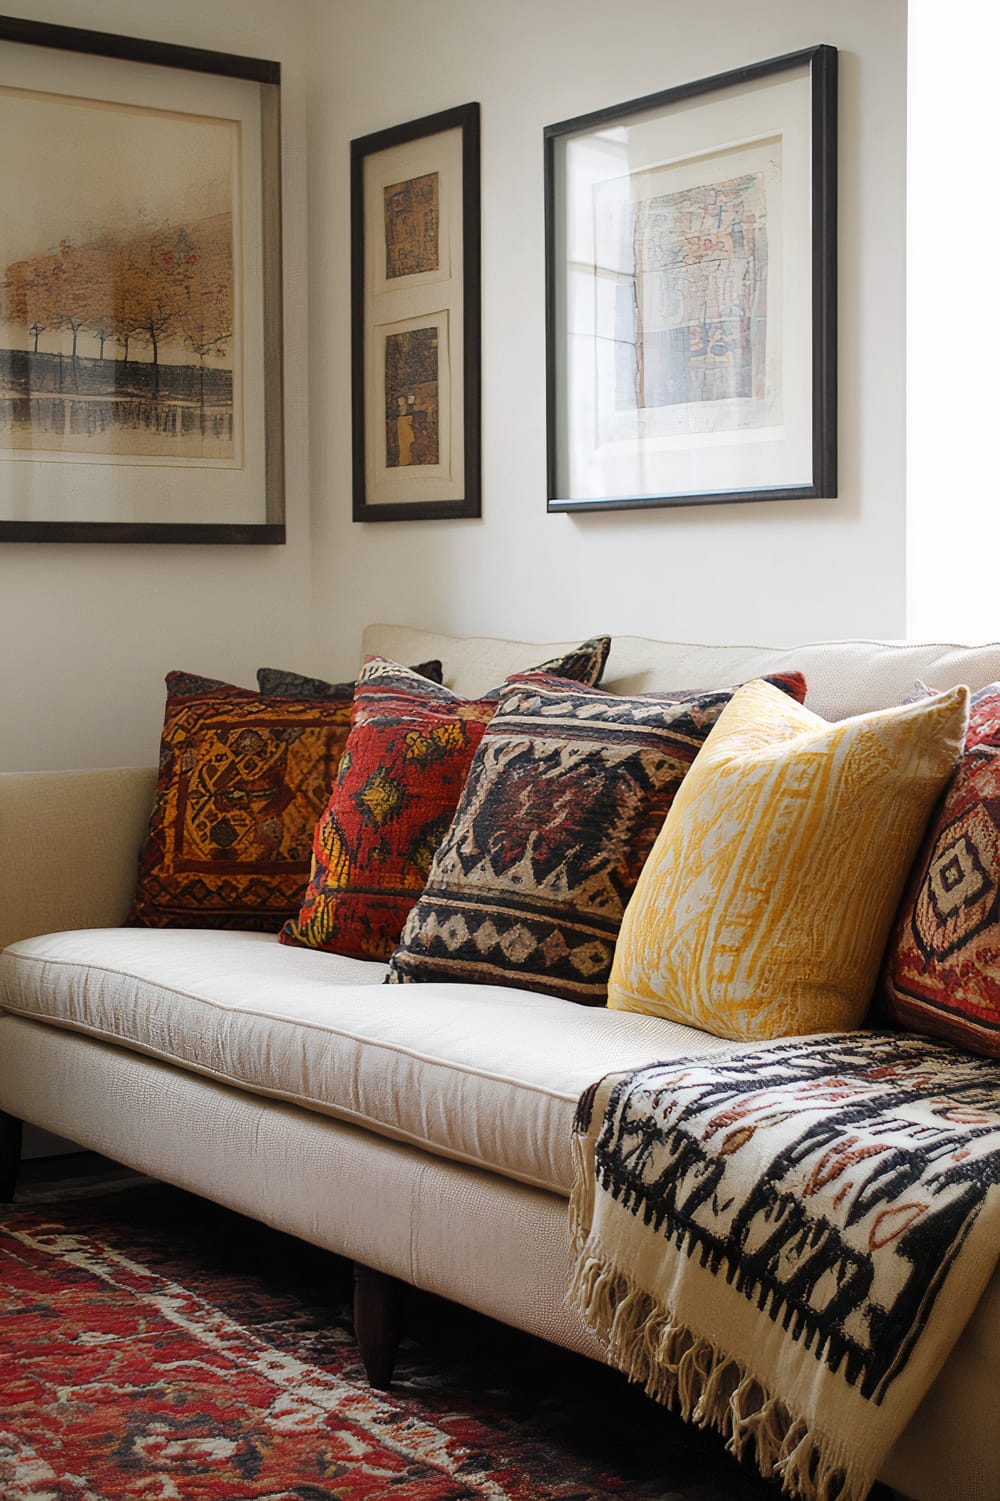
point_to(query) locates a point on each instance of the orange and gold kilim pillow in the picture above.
(243, 777)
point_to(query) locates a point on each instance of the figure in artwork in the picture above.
(411, 398)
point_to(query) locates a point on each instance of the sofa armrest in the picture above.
(68, 847)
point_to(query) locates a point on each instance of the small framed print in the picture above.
(691, 314)
(140, 291)
(415, 288)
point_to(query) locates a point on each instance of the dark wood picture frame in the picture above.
(635, 446)
(416, 270)
(248, 480)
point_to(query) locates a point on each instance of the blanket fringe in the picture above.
(582, 1197)
(696, 1379)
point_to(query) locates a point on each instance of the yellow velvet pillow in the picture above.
(766, 902)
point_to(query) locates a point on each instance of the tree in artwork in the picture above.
(160, 301)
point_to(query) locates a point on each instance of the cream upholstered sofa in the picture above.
(423, 1133)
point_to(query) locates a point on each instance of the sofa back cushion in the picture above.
(844, 677)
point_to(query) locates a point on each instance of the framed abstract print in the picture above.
(140, 291)
(415, 303)
(691, 313)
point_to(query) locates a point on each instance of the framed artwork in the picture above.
(140, 291)
(415, 319)
(691, 312)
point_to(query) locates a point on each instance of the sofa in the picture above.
(425, 1135)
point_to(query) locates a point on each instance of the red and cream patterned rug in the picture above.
(154, 1346)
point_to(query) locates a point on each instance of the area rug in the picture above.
(154, 1346)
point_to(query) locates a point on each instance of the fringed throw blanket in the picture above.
(784, 1242)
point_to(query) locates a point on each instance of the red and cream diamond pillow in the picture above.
(564, 799)
(942, 969)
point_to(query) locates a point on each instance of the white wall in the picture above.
(87, 632)
(953, 494)
(778, 571)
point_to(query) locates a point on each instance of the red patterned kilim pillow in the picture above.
(406, 760)
(942, 969)
(242, 780)
(564, 799)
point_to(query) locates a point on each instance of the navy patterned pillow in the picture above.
(280, 684)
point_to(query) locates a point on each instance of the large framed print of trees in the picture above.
(140, 291)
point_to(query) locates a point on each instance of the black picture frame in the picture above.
(416, 312)
(638, 392)
(211, 469)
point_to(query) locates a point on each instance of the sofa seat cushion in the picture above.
(485, 1074)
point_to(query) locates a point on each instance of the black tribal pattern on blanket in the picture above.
(832, 1180)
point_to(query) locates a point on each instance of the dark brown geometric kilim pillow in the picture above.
(562, 803)
(581, 664)
(243, 778)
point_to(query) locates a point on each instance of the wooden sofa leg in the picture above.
(378, 1321)
(10, 1154)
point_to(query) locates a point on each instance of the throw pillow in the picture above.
(242, 780)
(942, 969)
(765, 905)
(583, 664)
(281, 684)
(406, 761)
(183, 684)
(565, 795)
